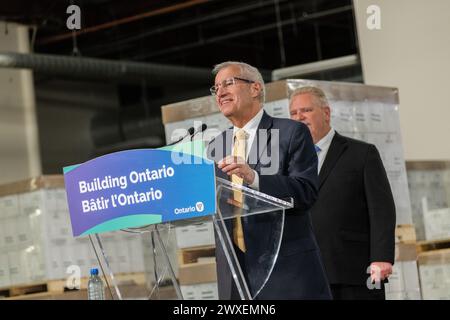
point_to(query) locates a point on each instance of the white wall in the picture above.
(411, 51)
(19, 149)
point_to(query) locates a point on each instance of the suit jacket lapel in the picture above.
(260, 142)
(337, 147)
(227, 136)
(219, 148)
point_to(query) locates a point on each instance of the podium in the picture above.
(260, 213)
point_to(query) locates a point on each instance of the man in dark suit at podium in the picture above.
(354, 216)
(288, 170)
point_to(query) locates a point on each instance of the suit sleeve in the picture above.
(299, 177)
(381, 208)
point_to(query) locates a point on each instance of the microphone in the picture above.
(199, 130)
(189, 133)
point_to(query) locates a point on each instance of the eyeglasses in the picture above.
(227, 82)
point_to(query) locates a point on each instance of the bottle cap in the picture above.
(94, 271)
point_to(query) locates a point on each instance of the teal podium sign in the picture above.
(140, 187)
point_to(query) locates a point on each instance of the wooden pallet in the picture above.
(68, 295)
(441, 256)
(127, 292)
(56, 287)
(193, 254)
(24, 290)
(405, 233)
(430, 245)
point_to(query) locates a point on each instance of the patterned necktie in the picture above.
(239, 151)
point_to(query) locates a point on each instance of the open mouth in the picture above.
(225, 101)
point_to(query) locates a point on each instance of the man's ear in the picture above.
(256, 89)
(327, 111)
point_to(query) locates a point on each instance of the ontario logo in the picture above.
(199, 207)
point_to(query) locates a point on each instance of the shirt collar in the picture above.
(325, 141)
(253, 124)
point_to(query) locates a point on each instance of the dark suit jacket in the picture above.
(298, 272)
(354, 216)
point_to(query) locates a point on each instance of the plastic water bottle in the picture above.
(96, 289)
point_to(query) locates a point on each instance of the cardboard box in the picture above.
(404, 282)
(60, 197)
(30, 202)
(81, 254)
(2, 239)
(33, 264)
(9, 232)
(434, 270)
(192, 255)
(68, 257)
(17, 268)
(9, 206)
(59, 255)
(194, 235)
(437, 224)
(23, 231)
(201, 291)
(199, 272)
(4, 270)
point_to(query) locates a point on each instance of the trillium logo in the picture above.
(199, 206)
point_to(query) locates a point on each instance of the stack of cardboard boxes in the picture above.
(197, 272)
(434, 268)
(404, 282)
(36, 242)
(196, 261)
(429, 183)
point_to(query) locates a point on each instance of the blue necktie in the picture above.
(317, 148)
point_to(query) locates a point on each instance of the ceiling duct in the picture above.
(92, 68)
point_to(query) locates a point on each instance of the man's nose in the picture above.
(297, 116)
(220, 91)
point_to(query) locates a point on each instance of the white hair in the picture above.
(247, 71)
(318, 94)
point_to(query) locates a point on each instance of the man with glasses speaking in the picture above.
(277, 157)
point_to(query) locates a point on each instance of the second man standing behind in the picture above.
(354, 216)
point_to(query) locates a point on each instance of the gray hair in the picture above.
(318, 94)
(247, 71)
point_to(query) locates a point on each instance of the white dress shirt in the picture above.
(251, 128)
(324, 145)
